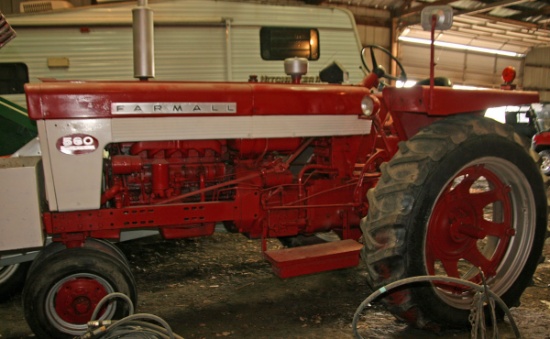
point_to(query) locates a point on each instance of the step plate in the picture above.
(296, 261)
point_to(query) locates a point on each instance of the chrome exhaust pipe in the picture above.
(144, 48)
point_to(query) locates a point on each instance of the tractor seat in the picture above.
(438, 81)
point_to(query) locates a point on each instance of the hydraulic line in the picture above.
(133, 326)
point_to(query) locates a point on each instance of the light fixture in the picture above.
(370, 105)
(462, 47)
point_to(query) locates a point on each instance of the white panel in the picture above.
(76, 178)
(247, 127)
(181, 53)
(190, 53)
(103, 53)
(21, 200)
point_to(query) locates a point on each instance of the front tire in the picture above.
(462, 194)
(61, 294)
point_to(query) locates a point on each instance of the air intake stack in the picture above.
(296, 68)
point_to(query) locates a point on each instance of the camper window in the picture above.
(12, 77)
(279, 43)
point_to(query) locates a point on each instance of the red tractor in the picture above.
(414, 179)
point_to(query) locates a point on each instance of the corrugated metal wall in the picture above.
(463, 68)
(537, 72)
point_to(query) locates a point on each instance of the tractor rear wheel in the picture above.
(463, 195)
(61, 293)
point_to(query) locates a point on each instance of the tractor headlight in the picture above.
(370, 105)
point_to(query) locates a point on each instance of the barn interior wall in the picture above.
(537, 72)
(375, 35)
(462, 67)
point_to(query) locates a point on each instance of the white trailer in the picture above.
(202, 40)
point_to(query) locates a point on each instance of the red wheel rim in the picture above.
(460, 230)
(77, 298)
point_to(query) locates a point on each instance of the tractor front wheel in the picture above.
(62, 293)
(463, 198)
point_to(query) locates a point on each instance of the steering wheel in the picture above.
(379, 70)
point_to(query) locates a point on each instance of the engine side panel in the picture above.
(76, 176)
(251, 127)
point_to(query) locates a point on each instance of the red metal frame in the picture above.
(183, 187)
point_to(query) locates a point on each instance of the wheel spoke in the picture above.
(476, 258)
(480, 200)
(451, 267)
(470, 176)
(495, 229)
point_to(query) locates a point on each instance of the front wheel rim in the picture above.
(72, 300)
(483, 218)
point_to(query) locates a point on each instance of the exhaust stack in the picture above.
(144, 48)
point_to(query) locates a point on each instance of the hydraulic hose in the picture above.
(134, 325)
(430, 278)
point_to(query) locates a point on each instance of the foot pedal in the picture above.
(296, 261)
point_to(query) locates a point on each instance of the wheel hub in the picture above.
(470, 226)
(76, 299)
(451, 233)
(468, 231)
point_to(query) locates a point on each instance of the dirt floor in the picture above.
(220, 286)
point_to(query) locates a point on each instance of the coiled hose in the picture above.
(487, 294)
(133, 326)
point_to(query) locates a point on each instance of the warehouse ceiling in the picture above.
(507, 25)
